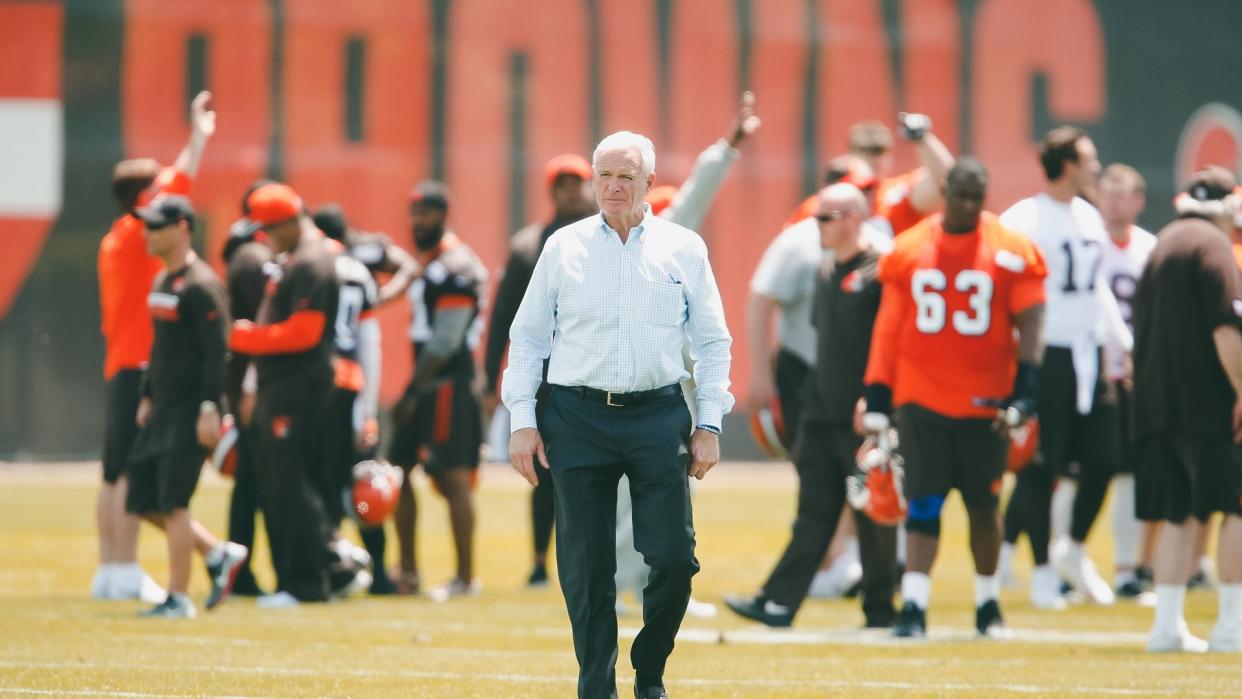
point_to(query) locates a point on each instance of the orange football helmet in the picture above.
(373, 495)
(767, 424)
(1023, 444)
(876, 488)
(224, 456)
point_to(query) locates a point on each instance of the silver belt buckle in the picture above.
(615, 405)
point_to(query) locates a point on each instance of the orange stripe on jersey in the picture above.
(443, 413)
(367, 314)
(455, 301)
(944, 337)
(297, 333)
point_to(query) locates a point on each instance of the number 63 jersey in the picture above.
(945, 338)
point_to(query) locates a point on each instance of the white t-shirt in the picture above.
(1123, 266)
(1072, 238)
(788, 272)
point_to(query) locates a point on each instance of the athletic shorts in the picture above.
(1069, 440)
(1180, 475)
(941, 453)
(445, 432)
(121, 394)
(166, 460)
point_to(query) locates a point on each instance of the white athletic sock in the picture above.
(916, 588)
(1062, 508)
(1126, 528)
(1005, 565)
(851, 547)
(1170, 602)
(987, 587)
(1230, 612)
(215, 555)
(901, 545)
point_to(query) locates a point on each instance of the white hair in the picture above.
(626, 140)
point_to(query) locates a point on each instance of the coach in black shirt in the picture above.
(1187, 380)
(847, 299)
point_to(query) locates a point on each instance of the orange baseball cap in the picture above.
(567, 164)
(660, 197)
(274, 203)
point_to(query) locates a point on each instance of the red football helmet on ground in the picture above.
(373, 495)
(1023, 444)
(224, 456)
(877, 488)
(767, 424)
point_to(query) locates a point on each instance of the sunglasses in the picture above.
(831, 216)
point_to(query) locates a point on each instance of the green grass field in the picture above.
(514, 642)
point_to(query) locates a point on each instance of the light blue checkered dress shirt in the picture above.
(613, 317)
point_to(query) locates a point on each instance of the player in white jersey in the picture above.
(1122, 197)
(1077, 406)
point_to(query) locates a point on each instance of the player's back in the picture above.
(954, 344)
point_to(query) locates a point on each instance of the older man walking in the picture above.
(609, 303)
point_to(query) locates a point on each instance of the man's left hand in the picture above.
(208, 428)
(704, 452)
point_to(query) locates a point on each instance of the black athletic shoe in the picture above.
(538, 577)
(1130, 589)
(1198, 581)
(382, 584)
(759, 608)
(655, 691)
(911, 622)
(989, 623)
(224, 573)
(878, 621)
(1145, 576)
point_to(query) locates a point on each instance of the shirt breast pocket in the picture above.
(665, 303)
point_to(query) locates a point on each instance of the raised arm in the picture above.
(202, 127)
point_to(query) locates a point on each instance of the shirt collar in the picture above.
(636, 231)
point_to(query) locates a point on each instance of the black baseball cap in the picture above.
(1212, 183)
(330, 219)
(165, 210)
(431, 194)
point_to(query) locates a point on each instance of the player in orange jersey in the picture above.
(956, 286)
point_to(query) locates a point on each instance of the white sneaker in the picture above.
(101, 584)
(456, 588)
(1226, 638)
(700, 610)
(129, 581)
(833, 583)
(1181, 642)
(1046, 589)
(1072, 564)
(277, 600)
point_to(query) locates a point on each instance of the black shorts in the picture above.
(120, 410)
(941, 453)
(445, 432)
(1125, 432)
(166, 461)
(1069, 440)
(1181, 475)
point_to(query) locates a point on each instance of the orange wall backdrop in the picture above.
(482, 92)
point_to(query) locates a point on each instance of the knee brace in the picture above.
(924, 515)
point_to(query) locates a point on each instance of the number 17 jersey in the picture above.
(944, 337)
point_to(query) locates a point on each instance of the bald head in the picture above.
(842, 197)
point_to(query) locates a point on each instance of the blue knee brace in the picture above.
(924, 515)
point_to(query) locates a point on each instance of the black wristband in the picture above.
(708, 428)
(879, 398)
(1025, 383)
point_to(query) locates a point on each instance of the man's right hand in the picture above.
(525, 446)
(144, 412)
(245, 408)
(759, 395)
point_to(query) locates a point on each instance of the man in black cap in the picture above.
(179, 412)
(438, 421)
(1187, 414)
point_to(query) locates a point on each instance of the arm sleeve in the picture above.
(709, 343)
(530, 340)
(508, 297)
(894, 306)
(448, 335)
(370, 356)
(210, 321)
(695, 197)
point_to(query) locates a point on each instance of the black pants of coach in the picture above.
(589, 446)
(824, 456)
(289, 418)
